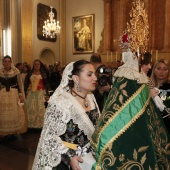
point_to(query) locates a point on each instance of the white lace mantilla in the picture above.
(57, 116)
(12, 73)
(130, 69)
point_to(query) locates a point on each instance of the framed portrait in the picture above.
(83, 34)
(42, 15)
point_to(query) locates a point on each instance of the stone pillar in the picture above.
(15, 28)
(27, 31)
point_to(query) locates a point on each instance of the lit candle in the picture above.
(111, 57)
(116, 56)
(107, 60)
(156, 55)
(138, 54)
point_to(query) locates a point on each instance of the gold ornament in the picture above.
(138, 27)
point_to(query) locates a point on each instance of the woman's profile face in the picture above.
(7, 63)
(161, 71)
(87, 78)
(146, 68)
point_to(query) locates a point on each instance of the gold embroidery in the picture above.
(159, 136)
(137, 162)
(116, 113)
(125, 127)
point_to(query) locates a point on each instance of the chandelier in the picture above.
(51, 28)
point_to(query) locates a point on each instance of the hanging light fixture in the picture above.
(51, 28)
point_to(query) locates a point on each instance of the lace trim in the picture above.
(130, 69)
(63, 87)
(12, 73)
(131, 74)
(57, 116)
(13, 118)
(80, 117)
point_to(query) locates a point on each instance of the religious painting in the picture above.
(42, 15)
(83, 34)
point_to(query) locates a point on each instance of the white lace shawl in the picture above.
(130, 68)
(14, 72)
(58, 114)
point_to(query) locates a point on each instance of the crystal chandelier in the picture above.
(50, 27)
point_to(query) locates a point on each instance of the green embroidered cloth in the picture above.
(130, 134)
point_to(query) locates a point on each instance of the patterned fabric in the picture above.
(44, 78)
(35, 108)
(130, 68)
(12, 116)
(65, 119)
(130, 133)
(165, 96)
(35, 102)
(74, 135)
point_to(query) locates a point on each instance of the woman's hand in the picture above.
(74, 162)
(154, 92)
(47, 98)
(103, 89)
(21, 98)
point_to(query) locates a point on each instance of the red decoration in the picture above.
(40, 85)
(125, 38)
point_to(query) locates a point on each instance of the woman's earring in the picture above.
(78, 87)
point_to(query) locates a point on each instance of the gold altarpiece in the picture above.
(116, 16)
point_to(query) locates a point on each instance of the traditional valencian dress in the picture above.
(67, 128)
(130, 134)
(13, 119)
(37, 87)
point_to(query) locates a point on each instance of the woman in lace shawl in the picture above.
(130, 133)
(12, 116)
(70, 118)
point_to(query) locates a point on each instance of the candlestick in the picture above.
(116, 56)
(107, 60)
(111, 57)
(156, 55)
(138, 52)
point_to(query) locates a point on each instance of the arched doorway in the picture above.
(47, 56)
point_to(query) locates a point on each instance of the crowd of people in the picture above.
(25, 92)
(121, 121)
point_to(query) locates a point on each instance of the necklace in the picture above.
(7, 69)
(84, 98)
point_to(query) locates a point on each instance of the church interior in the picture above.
(20, 21)
(21, 37)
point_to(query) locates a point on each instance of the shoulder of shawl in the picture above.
(1, 71)
(60, 109)
(16, 71)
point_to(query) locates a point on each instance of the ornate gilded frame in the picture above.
(83, 34)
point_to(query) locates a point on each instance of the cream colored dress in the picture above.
(13, 119)
(35, 102)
